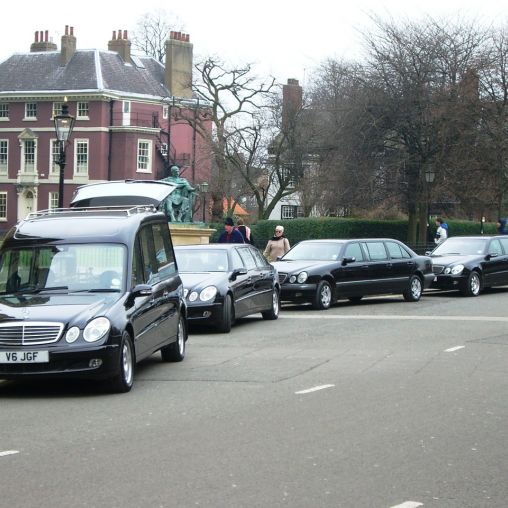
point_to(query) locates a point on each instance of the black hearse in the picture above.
(90, 290)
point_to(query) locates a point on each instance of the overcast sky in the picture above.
(285, 38)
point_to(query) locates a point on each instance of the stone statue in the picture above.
(178, 205)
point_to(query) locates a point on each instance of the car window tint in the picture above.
(247, 258)
(354, 250)
(376, 250)
(150, 263)
(236, 260)
(396, 251)
(495, 247)
(260, 260)
(504, 243)
(137, 266)
(202, 260)
(164, 251)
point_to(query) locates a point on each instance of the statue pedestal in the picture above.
(190, 234)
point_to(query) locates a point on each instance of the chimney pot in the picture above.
(36, 36)
(66, 29)
(119, 34)
(46, 36)
(72, 30)
(125, 34)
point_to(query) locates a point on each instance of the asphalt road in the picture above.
(378, 404)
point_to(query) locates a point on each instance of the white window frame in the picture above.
(27, 115)
(140, 164)
(165, 112)
(80, 109)
(4, 165)
(52, 200)
(54, 156)
(78, 171)
(3, 206)
(24, 153)
(56, 109)
(4, 108)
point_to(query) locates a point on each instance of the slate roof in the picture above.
(87, 70)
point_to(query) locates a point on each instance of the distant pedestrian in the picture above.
(501, 226)
(245, 230)
(277, 246)
(230, 234)
(441, 232)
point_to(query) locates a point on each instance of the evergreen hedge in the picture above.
(310, 228)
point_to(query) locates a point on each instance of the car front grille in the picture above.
(437, 269)
(282, 277)
(26, 334)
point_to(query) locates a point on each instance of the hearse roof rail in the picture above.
(94, 210)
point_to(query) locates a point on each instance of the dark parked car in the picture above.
(470, 263)
(322, 271)
(88, 292)
(224, 282)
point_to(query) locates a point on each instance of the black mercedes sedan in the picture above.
(323, 271)
(223, 282)
(470, 263)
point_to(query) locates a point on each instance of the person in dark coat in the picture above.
(230, 234)
(245, 230)
(501, 226)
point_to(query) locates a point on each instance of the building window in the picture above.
(53, 200)
(54, 157)
(144, 156)
(4, 155)
(287, 176)
(290, 212)
(126, 106)
(57, 109)
(82, 111)
(31, 111)
(81, 151)
(165, 112)
(29, 156)
(3, 206)
(4, 111)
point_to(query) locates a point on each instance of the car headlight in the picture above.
(302, 277)
(292, 278)
(454, 270)
(96, 329)
(193, 296)
(72, 334)
(208, 293)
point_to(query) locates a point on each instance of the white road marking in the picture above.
(500, 319)
(452, 349)
(8, 452)
(408, 504)
(315, 389)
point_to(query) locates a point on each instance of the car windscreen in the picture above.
(317, 251)
(206, 260)
(73, 267)
(461, 246)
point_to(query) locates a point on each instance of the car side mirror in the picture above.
(346, 261)
(491, 255)
(236, 272)
(141, 290)
(428, 252)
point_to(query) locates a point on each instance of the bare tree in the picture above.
(152, 32)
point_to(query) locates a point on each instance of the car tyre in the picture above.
(473, 285)
(175, 352)
(226, 321)
(273, 312)
(414, 289)
(124, 379)
(323, 297)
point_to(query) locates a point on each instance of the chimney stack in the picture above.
(68, 46)
(41, 43)
(121, 44)
(292, 100)
(179, 65)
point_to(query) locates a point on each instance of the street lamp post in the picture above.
(64, 124)
(430, 174)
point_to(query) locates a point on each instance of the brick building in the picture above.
(126, 119)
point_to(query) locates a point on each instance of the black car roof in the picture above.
(211, 246)
(81, 225)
